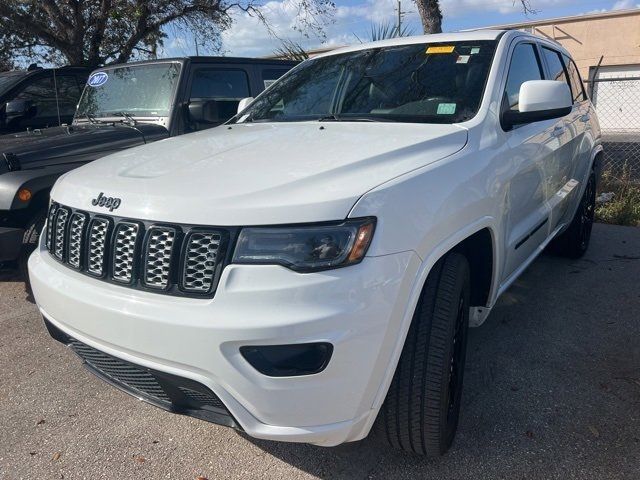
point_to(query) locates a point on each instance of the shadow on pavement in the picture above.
(8, 273)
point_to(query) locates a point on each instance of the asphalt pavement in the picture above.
(552, 390)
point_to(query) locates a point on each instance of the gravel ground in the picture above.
(552, 391)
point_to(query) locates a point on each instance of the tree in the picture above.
(431, 15)
(291, 50)
(5, 62)
(96, 32)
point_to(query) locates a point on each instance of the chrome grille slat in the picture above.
(76, 239)
(158, 255)
(200, 261)
(177, 260)
(50, 220)
(124, 251)
(97, 240)
(59, 232)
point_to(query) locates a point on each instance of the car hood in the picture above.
(75, 143)
(257, 174)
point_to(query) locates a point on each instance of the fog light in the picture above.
(288, 360)
(24, 194)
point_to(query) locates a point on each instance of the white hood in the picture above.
(258, 174)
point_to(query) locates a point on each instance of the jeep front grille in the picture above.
(173, 259)
(96, 247)
(158, 255)
(76, 234)
(124, 251)
(50, 221)
(59, 232)
(200, 261)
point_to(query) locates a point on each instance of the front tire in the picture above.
(420, 413)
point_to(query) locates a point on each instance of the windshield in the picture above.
(140, 91)
(431, 83)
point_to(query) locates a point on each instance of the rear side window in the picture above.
(556, 68)
(525, 66)
(577, 88)
(220, 84)
(68, 94)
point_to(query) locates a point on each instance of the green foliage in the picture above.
(97, 32)
(291, 50)
(624, 207)
(385, 31)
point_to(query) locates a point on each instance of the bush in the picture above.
(624, 207)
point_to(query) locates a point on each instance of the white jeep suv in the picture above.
(311, 268)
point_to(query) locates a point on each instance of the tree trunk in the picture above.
(430, 15)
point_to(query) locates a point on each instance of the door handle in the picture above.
(585, 118)
(558, 130)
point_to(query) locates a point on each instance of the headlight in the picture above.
(306, 248)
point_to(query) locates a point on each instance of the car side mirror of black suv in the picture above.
(204, 111)
(20, 108)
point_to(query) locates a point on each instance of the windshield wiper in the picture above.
(92, 120)
(332, 117)
(128, 119)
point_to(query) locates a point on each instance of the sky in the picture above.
(352, 20)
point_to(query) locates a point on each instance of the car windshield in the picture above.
(140, 91)
(430, 83)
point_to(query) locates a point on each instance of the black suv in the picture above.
(39, 97)
(121, 106)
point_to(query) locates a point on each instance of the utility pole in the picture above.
(196, 40)
(400, 15)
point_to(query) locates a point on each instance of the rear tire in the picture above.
(574, 241)
(29, 244)
(420, 413)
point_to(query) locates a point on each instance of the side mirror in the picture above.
(244, 103)
(204, 111)
(539, 100)
(19, 108)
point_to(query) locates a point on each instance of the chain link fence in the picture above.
(617, 101)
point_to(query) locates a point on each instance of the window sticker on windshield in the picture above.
(463, 59)
(446, 108)
(475, 50)
(268, 83)
(441, 49)
(97, 79)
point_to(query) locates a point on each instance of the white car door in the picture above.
(532, 158)
(569, 130)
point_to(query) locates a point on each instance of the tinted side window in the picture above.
(223, 84)
(525, 66)
(41, 94)
(556, 68)
(577, 88)
(68, 94)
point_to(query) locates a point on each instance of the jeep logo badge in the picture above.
(108, 202)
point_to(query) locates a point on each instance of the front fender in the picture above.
(37, 181)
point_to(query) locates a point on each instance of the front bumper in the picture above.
(359, 310)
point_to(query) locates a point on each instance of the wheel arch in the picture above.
(478, 233)
(476, 239)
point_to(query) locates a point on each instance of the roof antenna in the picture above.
(55, 87)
